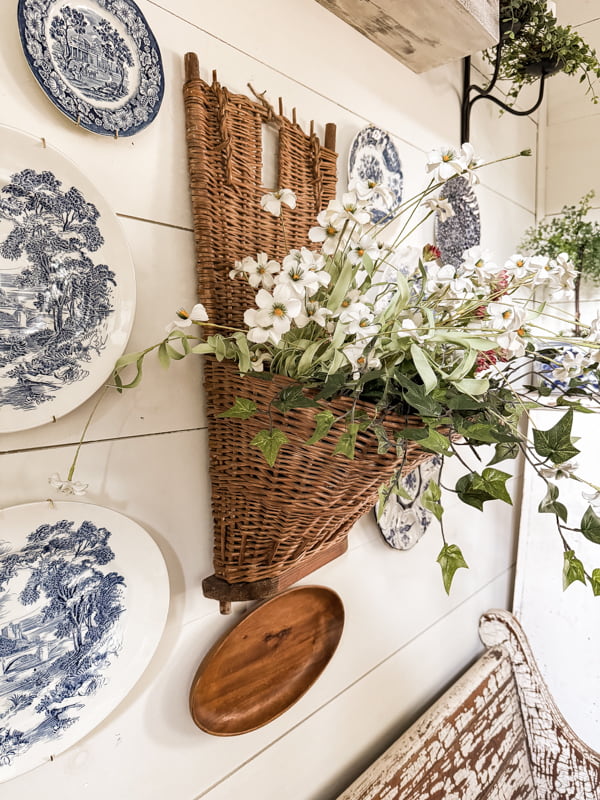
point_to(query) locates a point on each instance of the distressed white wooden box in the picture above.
(422, 34)
(495, 735)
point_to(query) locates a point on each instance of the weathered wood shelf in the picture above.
(426, 33)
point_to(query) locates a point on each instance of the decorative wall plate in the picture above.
(84, 595)
(97, 60)
(67, 286)
(267, 661)
(402, 522)
(462, 231)
(374, 157)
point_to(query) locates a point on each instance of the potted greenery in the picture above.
(533, 44)
(569, 232)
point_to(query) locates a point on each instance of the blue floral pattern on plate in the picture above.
(402, 522)
(75, 616)
(374, 157)
(462, 231)
(97, 61)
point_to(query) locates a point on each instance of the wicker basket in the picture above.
(271, 526)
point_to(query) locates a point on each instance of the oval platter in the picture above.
(96, 60)
(67, 284)
(374, 157)
(267, 661)
(462, 231)
(84, 595)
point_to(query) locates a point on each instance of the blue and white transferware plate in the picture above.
(97, 60)
(374, 157)
(462, 231)
(67, 286)
(402, 522)
(84, 595)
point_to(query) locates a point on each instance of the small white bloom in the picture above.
(410, 327)
(272, 201)
(260, 272)
(505, 317)
(438, 277)
(471, 162)
(518, 266)
(442, 206)
(357, 319)
(328, 231)
(312, 312)
(355, 353)
(366, 189)
(477, 261)
(444, 163)
(184, 320)
(512, 343)
(275, 312)
(593, 498)
(350, 209)
(571, 366)
(365, 246)
(67, 487)
(558, 471)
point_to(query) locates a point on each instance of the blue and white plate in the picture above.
(374, 157)
(84, 595)
(402, 522)
(462, 231)
(67, 285)
(97, 60)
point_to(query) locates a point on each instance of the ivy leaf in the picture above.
(332, 385)
(572, 569)
(293, 397)
(347, 441)
(241, 409)
(475, 489)
(435, 442)
(550, 504)
(504, 451)
(556, 443)
(590, 526)
(416, 396)
(383, 442)
(430, 499)
(596, 582)
(323, 422)
(450, 559)
(269, 443)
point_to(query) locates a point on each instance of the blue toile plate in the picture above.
(374, 157)
(67, 285)
(84, 595)
(97, 60)
(462, 231)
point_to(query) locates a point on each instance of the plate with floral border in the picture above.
(84, 596)
(374, 157)
(67, 284)
(96, 60)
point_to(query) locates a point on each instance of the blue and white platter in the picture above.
(84, 595)
(403, 522)
(374, 157)
(97, 60)
(462, 231)
(67, 285)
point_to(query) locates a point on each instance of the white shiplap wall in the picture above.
(404, 639)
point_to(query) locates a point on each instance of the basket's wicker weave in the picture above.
(265, 520)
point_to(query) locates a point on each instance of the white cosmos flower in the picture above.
(184, 320)
(327, 231)
(558, 471)
(571, 365)
(543, 269)
(477, 261)
(445, 163)
(438, 277)
(512, 343)
(261, 272)
(518, 266)
(358, 360)
(562, 284)
(67, 487)
(410, 327)
(366, 189)
(471, 162)
(593, 498)
(272, 201)
(442, 206)
(349, 209)
(312, 312)
(357, 318)
(365, 246)
(594, 330)
(505, 317)
(274, 314)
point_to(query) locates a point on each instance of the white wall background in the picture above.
(404, 641)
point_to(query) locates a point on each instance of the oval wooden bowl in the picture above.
(267, 661)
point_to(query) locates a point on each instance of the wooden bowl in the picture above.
(267, 661)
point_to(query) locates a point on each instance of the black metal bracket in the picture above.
(485, 93)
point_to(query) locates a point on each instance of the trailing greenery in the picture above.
(533, 43)
(569, 232)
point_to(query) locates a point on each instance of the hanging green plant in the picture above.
(533, 44)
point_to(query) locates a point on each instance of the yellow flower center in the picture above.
(479, 263)
(506, 314)
(446, 157)
(295, 276)
(360, 252)
(363, 323)
(361, 360)
(345, 303)
(521, 331)
(278, 311)
(520, 263)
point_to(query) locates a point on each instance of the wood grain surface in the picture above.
(267, 661)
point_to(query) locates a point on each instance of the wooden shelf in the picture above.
(422, 34)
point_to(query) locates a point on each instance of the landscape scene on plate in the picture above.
(54, 300)
(58, 631)
(90, 53)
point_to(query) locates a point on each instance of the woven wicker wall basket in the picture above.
(271, 525)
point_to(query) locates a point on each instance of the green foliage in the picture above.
(551, 505)
(450, 559)
(590, 526)
(556, 444)
(269, 443)
(475, 489)
(241, 409)
(532, 36)
(568, 232)
(572, 569)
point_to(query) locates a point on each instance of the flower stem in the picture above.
(83, 433)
